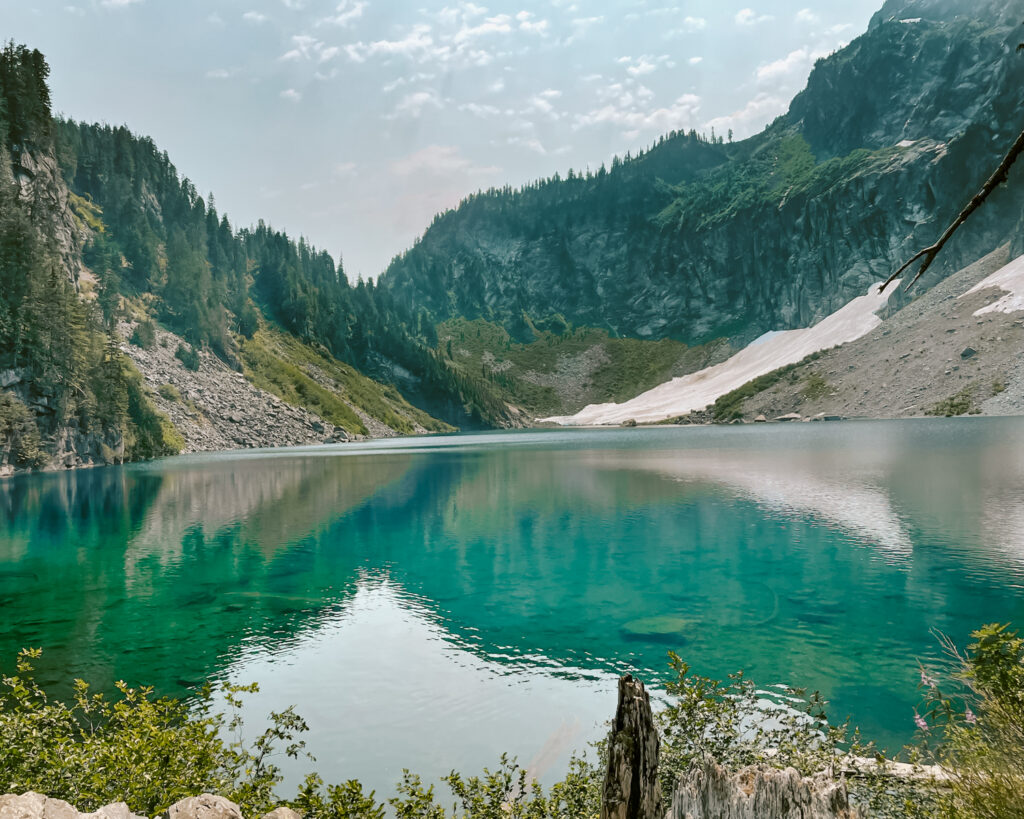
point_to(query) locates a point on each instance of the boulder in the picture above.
(282, 813)
(32, 805)
(205, 806)
(968, 352)
(793, 416)
(116, 810)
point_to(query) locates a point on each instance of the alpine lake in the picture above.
(430, 603)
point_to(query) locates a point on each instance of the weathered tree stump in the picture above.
(631, 787)
(759, 792)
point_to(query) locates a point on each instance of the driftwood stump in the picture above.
(631, 787)
(759, 792)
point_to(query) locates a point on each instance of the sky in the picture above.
(352, 123)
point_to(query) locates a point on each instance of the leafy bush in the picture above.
(187, 356)
(169, 392)
(144, 335)
(815, 387)
(980, 733)
(151, 752)
(960, 404)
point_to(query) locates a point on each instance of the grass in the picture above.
(815, 387)
(960, 404)
(619, 369)
(730, 406)
(169, 392)
(280, 364)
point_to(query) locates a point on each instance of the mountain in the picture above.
(696, 239)
(136, 321)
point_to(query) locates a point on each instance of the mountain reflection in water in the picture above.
(430, 603)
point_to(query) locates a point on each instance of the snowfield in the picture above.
(1009, 279)
(698, 390)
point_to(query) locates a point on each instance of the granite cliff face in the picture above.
(695, 240)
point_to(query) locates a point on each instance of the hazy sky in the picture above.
(353, 122)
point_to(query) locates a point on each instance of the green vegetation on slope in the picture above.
(562, 370)
(304, 377)
(730, 406)
(58, 351)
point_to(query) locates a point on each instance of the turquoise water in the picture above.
(430, 603)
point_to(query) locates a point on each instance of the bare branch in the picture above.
(929, 253)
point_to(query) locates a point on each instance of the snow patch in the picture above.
(906, 143)
(910, 20)
(696, 391)
(1010, 280)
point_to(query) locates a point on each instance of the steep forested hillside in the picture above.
(154, 237)
(99, 232)
(68, 391)
(696, 239)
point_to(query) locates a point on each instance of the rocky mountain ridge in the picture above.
(890, 138)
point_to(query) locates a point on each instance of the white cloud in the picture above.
(480, 110)
(752, 117)
(74, 10)
(291, 95)
(255, 17)
(344, 13)
(343, 169)
(414, 104)
(221, 73)
(695, 60)
(645, 64)
(807, 17)
(530, 143)
(439, 160)
(498, 24)
(792, 68)
(215, 19)
(749, 17)
(626, 113)
(528, 24)
(305, 47)
(118, 4)
(417, 44)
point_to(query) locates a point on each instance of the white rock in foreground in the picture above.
(696, 391)
(758, 793)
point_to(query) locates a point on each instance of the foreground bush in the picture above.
(152, 752)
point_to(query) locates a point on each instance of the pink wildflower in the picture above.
(920, 722)
(927, 680)
(969, 717)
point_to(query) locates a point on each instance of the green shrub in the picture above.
(815, 387)
(188, 356)
(979, 734)
(18, 428)
(151, 752)
(144, 335)
(169, 392)
(960, 404)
